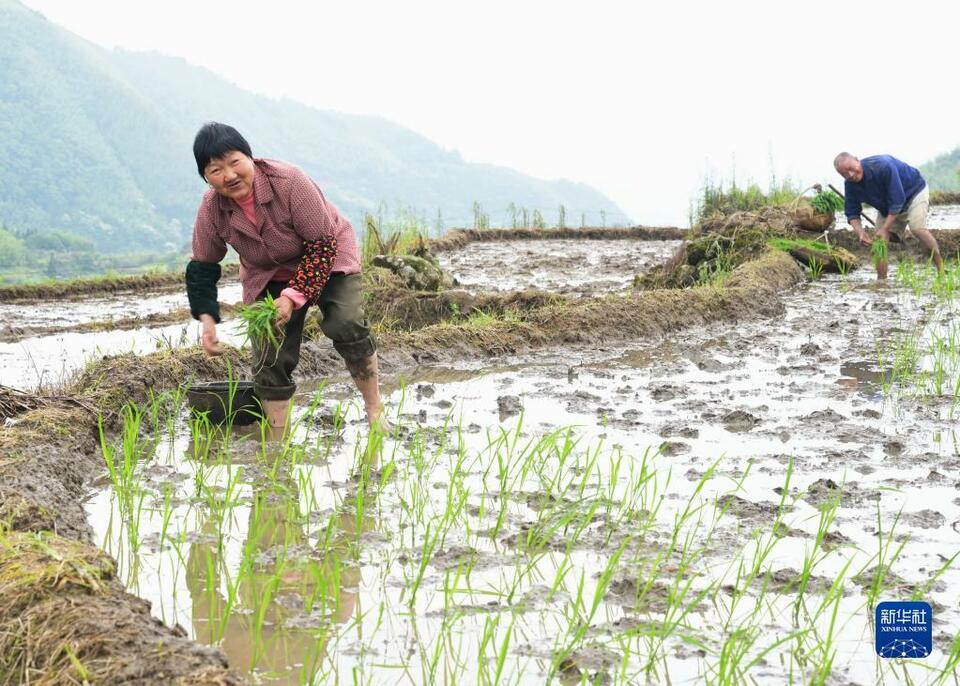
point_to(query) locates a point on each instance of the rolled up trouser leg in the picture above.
(344, 321)
(273, 368)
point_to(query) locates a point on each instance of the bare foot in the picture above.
(377, 419)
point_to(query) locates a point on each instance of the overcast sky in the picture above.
(640, 100)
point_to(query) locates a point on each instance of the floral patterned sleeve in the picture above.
(315, 266)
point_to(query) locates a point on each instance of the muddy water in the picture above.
(939, 217)
(562, 266)
(944, 217)
(745, 400)
(51, 360)
(102, 307)
(31, 361)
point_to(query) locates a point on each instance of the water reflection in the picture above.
(864, 377)
(275, 614)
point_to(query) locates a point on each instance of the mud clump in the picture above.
(823, 419)
(789, 580)
(924, 519)
(625, 592)
(419, 273)
(739, 421)
(674, 448)
(508, 406)
(680, 430)
(58, 593)
(748, 510)
(665, 393)
(826, 491)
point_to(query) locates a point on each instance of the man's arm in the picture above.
(857, 227)
(852, 207)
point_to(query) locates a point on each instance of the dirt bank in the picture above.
(458, 238)
(751, 291)
(391, 306)
(947, 239)
(66, 619)
(59, 290)
(945, 197)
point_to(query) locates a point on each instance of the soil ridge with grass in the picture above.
(945, 197)
(72, 288)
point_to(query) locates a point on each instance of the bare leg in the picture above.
(930, 243)
(366, 375)
(278, 417)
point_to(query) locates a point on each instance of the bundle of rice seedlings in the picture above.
(827, 202)
(258, 322)
(880, 251)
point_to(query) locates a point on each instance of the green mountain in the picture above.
(943, 171)
(97, 143)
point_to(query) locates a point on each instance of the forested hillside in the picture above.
(96, 146)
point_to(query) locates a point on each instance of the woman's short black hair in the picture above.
(214, 140)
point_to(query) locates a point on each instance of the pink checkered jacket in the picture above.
(290, 210)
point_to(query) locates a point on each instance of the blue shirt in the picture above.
(887, 185)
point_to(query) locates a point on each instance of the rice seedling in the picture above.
(816, 269)
(259, 323)
(493, 554)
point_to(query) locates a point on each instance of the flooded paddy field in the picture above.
(561, 266)
(44, 342)
(101, 308)
(40, 343)
(727, 506)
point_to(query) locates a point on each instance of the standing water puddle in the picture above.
(644, 512)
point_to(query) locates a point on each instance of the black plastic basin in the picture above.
(214, 399)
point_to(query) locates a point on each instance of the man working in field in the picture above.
(899, 194)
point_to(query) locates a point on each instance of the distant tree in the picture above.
(562, 217)
(12, 250)
(58, 240)
(481, 220)
(538, 222)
